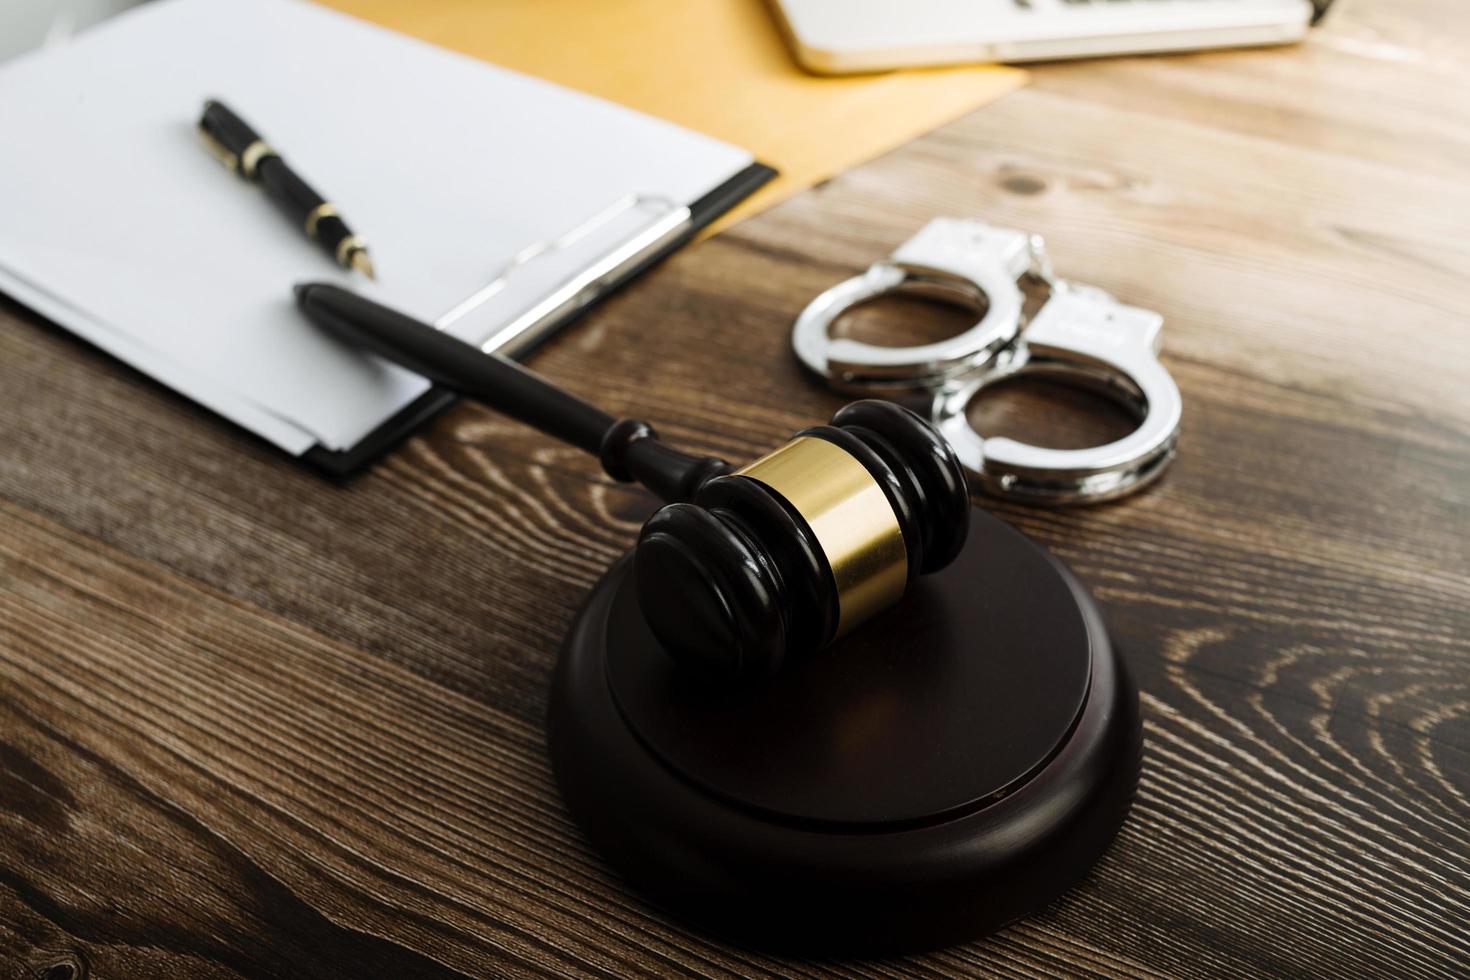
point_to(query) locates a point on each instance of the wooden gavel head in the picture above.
(799, 547)
(746, 567)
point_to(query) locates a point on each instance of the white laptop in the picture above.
(839, 36)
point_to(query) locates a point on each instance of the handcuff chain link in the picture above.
(1032, 322)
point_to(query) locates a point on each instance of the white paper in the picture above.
(448, 166)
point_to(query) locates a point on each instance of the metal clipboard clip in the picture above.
(549, 280)
(1078, 335)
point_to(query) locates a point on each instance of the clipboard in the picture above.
(601, 266)
(497, 204)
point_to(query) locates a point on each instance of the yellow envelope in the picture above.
(719, 67)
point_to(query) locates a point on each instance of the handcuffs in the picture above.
(1079, 335)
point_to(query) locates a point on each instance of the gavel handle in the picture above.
(628, 449)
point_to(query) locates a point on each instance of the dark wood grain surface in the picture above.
(254, 724)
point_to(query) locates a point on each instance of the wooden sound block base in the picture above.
(954, 764)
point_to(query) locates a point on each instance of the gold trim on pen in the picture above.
(348, 245)
(851, 517)
(323, 210)
(253, 154)
(218, 149)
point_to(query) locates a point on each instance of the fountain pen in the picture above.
(242, 150)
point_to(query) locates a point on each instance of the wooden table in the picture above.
(255, 724)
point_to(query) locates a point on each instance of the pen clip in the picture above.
(218, 150)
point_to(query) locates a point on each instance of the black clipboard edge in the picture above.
(344, 463)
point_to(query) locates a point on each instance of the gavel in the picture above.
(742, 568)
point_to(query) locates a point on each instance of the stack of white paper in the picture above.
(115, 222)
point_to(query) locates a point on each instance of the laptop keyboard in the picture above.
(1319, 6)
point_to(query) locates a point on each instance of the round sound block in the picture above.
(952, 765)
